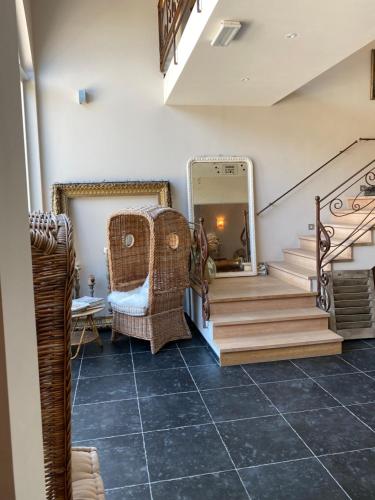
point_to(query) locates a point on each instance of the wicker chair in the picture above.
(69, 474)
(150, 246)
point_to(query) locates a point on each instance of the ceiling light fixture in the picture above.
(227, 31)
(290, 36)
(245, 79)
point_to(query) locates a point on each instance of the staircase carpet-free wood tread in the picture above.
(252, 288)
(301, 272)
(268, 316)
(277, 340)
(309, 254)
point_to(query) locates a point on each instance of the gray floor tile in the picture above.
(355, 472)
(196, 356)
(141, 492)
(98, 389)
(121, 346)
(297, 395)
(145, 361)
(325, 365)
(363, 359)
(273, 372)
(122, 460)
(106, 365)
(213, 377)
(162, 412)
(261, 441)
(185, 452)
(156, 383)
(105, 419)
(300, 480)
(223, 486)
(331, 430)
(350, 389)
(237, 402)
(366, 412)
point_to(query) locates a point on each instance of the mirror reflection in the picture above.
(221, 194)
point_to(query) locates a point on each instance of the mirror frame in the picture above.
(250, 187)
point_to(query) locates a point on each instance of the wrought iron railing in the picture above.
(325, 164)
(198, 266)
(172, 15)
(327, 247)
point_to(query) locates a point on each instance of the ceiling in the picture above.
(262, 66)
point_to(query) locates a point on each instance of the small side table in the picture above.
(89, 331)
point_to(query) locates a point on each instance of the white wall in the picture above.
(16, 277)
(111, 48)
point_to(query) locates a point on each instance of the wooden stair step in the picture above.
(361, 201)
(291, 273)
(342, 231)
(308, 242)
(271, 341)
(273, 347)
(267, 316)
(300, 257)
(299, 271)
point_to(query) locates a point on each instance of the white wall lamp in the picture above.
(227, 31)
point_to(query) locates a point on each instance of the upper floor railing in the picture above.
(173, 16)
(307, 177)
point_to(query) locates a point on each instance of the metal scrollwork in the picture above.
(324, 245)
(198, 262)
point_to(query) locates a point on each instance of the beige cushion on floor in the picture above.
(86, 480)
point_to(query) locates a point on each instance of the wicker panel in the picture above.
(160, 249)
(53, 265)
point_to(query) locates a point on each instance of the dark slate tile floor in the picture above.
(176, 426)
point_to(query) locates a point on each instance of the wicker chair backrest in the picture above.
(53, 266)
(155, 242)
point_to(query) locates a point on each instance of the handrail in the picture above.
(326, 251)
(357, 141)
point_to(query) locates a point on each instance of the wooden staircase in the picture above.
(265, 319)
(299, 265)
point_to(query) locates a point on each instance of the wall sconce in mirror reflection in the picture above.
(220, 222)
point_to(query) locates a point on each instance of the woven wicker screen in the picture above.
(53, 265)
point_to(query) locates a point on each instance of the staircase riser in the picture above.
(300, 261)
(341, 233)
(304, 284)
(369, 203)
(296, 352)
(276, 326)
(262, 305)
(310, 245)
(355, 218)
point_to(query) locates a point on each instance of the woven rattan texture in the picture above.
(53, 265)
(151, 254)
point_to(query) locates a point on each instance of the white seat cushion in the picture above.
(134, 302)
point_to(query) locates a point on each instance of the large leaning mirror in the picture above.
(221, 193)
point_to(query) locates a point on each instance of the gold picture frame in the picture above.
(372, 88)
(63, 192)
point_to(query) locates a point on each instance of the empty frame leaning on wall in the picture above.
(89, 205)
